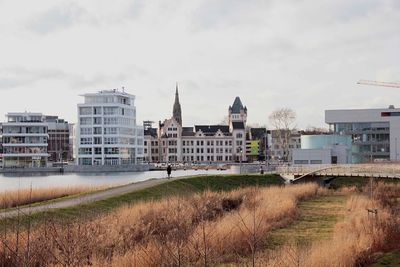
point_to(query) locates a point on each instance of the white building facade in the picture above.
(106, 130)
(25, 140)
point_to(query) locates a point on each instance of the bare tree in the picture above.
(283, 121)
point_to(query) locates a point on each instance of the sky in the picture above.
(306, 55)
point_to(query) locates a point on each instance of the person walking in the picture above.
(169, 170)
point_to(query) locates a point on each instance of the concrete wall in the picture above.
(310, 155)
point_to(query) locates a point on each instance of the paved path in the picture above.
(91, 197)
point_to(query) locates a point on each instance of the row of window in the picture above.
(108, 130)
(107, 121)
(207, 158)
(107, 140)
(208, 143)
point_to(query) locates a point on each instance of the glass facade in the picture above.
(370, 140)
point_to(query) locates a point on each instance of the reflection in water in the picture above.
(42, 180)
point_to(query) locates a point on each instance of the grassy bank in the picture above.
(184, 186)
(358, 182)
(316, 221)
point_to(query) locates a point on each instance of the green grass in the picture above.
(359, 182)
(182, 187)
(391, 259)
(316, 221)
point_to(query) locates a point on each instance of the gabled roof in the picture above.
(237, 106)
(212, 129)
(238, 125)
(187, 131)
(151, 132)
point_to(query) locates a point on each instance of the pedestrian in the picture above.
(169, 170)
(261, 170)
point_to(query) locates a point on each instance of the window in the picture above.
(97, 130)
(97, 140)
(85, 121)
(86, 141)
(85, 111)
(301, 162)
(86, 131)
(97, 120)
(97, 110)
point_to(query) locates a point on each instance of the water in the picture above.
(41, 180)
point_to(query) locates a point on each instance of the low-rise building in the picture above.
(25, 140)
(323, 149)
(256, 144)
(279, 150)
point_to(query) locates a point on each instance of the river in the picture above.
(17, 181)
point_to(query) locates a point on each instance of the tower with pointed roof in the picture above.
(237, 126)
(177, 111)
(237, 112)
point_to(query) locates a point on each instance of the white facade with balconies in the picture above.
(25, 140)
(106, 131)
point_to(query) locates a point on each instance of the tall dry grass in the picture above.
(355, 240)
(205, 229)
(14, 198)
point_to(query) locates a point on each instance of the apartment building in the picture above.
(106, 131)
(25, 140)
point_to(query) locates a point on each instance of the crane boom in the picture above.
(378, 83)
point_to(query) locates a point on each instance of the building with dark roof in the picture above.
(201, 143)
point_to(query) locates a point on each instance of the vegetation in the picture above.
(212, 221)
(11, 199)
(316, 221)
(201, 229)
(180, 187)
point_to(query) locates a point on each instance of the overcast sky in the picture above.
(303, 54)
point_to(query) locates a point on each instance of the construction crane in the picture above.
(377, 83)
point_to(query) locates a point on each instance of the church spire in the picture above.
(177, 112)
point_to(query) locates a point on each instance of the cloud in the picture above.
(56, 18)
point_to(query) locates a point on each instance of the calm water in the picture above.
(20, 181)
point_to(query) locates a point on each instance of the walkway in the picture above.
(91, 197)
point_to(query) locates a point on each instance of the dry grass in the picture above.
(10, 199)
(204, 229)
(355, 240)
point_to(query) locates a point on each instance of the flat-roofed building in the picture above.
(25, 140)
(375, 133)
(59, 139)
(106, 131)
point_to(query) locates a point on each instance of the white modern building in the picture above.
(323, 149)
(375, 133)
(106, 130)
(25, 140)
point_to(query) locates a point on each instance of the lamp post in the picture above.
(240, 159)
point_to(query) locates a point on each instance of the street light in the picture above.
(241, 154)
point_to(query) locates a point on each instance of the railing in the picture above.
(389, 170)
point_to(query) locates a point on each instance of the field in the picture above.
(215, 221)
